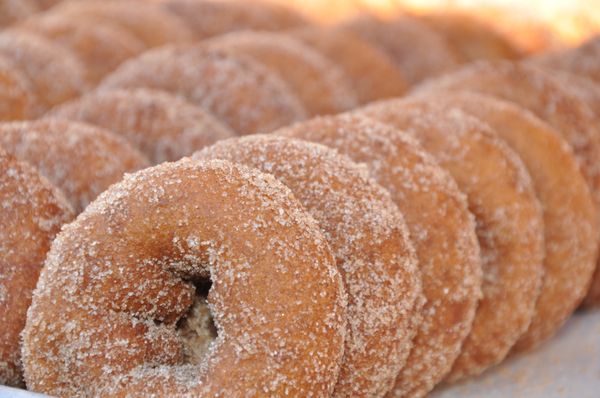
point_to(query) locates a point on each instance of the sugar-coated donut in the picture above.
(419, 51)
(276, 299)
(538, 92)
(101, 48)
(162, 126)
(15, 93)
(32, 213)
(508, 215)
(318, 82)
(583, 60)
(372, 73)
(441, 228)
(570, 232)
(369, 240)
(80, 159)
(55, 75)
(12, 11)
(240, 92)
(470, 38)
(149, 23)
(208, 18)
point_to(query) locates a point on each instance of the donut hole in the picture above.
(197, 328)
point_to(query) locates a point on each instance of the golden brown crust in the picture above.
(54, 74)
(32, 213)
(241, 93)
(507, 212)
(276, 299)
(162, 126)
(318, 82)
(441, 228)
(583, 60)
(101, 48)
(81, 160)
(369, 240)
(419, 51)
(371, 72)
(15, 93)
(212, 18)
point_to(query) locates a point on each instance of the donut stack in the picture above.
(217, 198)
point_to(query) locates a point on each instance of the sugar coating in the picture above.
(441, 228)
(101, 48)
(150, 24)
(238, 91)
(417, 50)
(55, 75)
(120, 278)
(507, 214)
(369, 240)
(32, 214)
(162, 126)
(15, 92)
(371, 73)
(80, 159)
(319, 83)
(210, 18)
(568, 209)
(538, 92)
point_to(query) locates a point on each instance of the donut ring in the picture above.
(150, 24)
(162, 126)
(509, 221)
(470, 38)
(371, 72)
(369, 240)
(15, 96)
(319, 83)
(58, 149)
(583, 60)
(100, 47)
(440, 225)
(238, 91)
(32, 214)
(417, 50)
(54, 74)
(538, 92)
(568, 208)
(213, 18)
(186, 224)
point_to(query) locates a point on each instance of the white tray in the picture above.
(567, 366)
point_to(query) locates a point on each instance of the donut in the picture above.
(15, 92)
(162, 126)
(238, 91)
(79, 159)
(204, 237)
(507, 213)
(369, 241)
(471, 39)
(150, 24)
(538, 92)
(318, 82)
(55, 75)
(371, 72)
(583, 60)
(440, 225)
(99, 47)
(417, 50)
(568, 208)
(32, 214)
(209, 18)
(12, 11)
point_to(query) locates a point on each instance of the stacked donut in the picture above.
(213, 198)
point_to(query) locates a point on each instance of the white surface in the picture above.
(567, 366)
